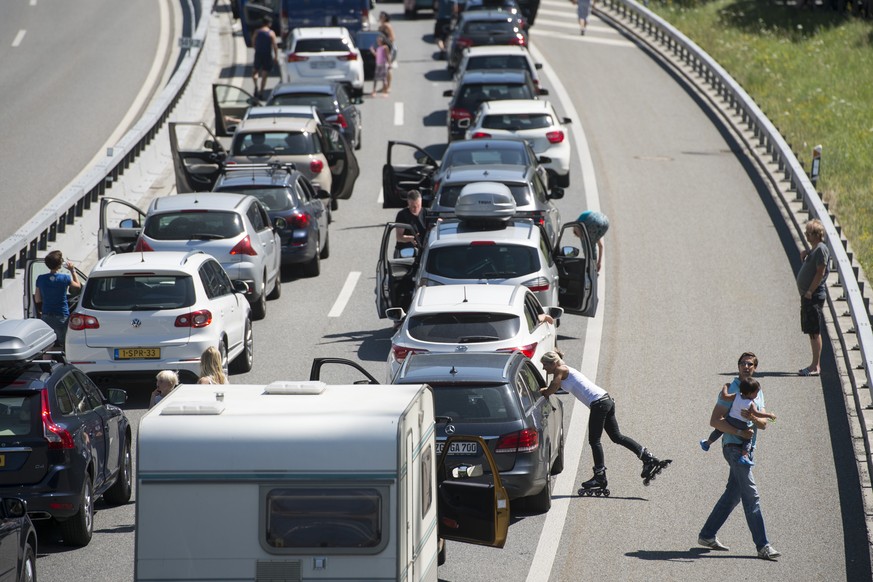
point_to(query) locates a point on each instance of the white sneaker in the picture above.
(768, 552)
(712, 544)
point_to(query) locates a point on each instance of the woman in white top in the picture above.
(602, 418)
(211, 370)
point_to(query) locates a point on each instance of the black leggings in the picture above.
(603, 418)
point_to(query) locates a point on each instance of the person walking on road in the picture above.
(811, 286)
(50, 295)
(583, 12)
(602, 418)
(266, 55)
(741, 483)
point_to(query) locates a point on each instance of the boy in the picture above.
(749, 389)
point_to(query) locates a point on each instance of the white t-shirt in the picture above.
(581, 387)
(737, 406)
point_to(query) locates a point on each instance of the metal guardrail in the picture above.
(72, 202)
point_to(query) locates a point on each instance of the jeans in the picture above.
(740, 487)
(59, 324)
(603, 418)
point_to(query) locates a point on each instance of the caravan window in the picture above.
(324, 517)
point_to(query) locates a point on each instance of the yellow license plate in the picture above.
(2, 460)
(138, 354)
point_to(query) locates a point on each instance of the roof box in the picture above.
(488, 201)
(24, 339)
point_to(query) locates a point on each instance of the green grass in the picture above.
(811, 72)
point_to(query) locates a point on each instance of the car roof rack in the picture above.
(22, 340)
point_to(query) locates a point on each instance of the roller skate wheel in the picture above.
(606, 492)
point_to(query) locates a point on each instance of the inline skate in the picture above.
(596, 486)
(652, 466)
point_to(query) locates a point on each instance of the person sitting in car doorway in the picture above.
(416, 216)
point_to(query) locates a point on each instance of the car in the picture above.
(330, 99)
(535, 121)
(236, 229)
(495, 57)
(411, 7)
(366, 39)
(482, 318)
(18, 542)
(145, 312)
(494, 395)
(317, 150)
(324, 53)
(287, 194)
(232, 104)
(532, 199)
(476, 87)
(486, 244)
(63, 443)
(411, 167)
(484, 27)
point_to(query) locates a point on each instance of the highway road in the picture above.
(698, 269)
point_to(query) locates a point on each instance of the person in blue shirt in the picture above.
(51, 294)
(741, 483)
(597, 224)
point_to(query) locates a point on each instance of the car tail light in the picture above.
(538, 284)
(340, 120)
(78, 322)
(518, 39)
(298, 221)
(316, 166)
(555, 136)
(142, 246)
(350, 56)
(457, 114)
(480, 134)
(57, 436)
(436, 186)
(295, 58)
(464, 42)
(400, 352)
(527, 350)
(197, 319)
(244, 247)
(523, 441)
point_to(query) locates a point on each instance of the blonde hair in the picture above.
(211, 365)
(553, 357)
(168, 376)
(815, 227)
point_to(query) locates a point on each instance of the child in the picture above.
(742, 401)
(383, 60)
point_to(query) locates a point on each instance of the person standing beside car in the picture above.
(597, 224)
(414, 215)
(266, 54)
(51, 294)
(443, 23)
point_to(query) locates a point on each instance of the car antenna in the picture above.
(465, 295)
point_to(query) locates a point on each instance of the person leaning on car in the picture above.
(415, 215)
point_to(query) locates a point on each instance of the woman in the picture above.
(211, 369)
(583, 12)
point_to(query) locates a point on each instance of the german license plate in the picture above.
(138, 354)
(459, 448)
(323, 64)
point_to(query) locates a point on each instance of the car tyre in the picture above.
(277, 287)
(28, 567)
(77, 530)
(245, 361)
(313, 267)
(441, 556)
(563, 181)
(558, 465)
(334, 204)
(119, 493)
(325, 250)
(259, 306)
(222, 352)
(542, 501)
(358, 143)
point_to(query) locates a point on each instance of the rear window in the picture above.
(274, 199)
(475, 404)
(320, 101)
(463, 328)
(204, 225)
(448, 194)
(473, 95)
(320, 45)
(489, 26)
(503, 154)
(280, 143)
(138, 292)
(476, 63)
(20, 413)
(517, 121)
(492, 261)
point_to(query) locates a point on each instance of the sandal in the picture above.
(807, 372)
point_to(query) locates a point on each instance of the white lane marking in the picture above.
(345, 294)
(33, 2)
(398, 113)
(18, 38)
(563, 492)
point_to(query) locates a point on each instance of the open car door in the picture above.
(471, 509)
(230, 104)
(358, 374)
(33, 268)
(407, 168)
(198, 156)
(120, 226)
(342, 161)
(577, 271)
(395, 276)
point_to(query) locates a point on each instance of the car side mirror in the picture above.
(466, 471)
(544, 91)
(555, 312)
(129, 223)
(556, 193)
(544, 160)
(280, 223)
(323, 194)
(566, 120)
(408, 253)
(241, 287)
(116, 396)
(14, 507)
(395, 314)
(538, 66)
(210, 145)
(448, 93)
(570, 252)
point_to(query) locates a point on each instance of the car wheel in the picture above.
(563, 181)
(119, 493)
(558, 465)
(325, 250)
(259, 306)
(277, 287)
(244, 362)
(334, 204)
(313, 267)
(28, 568)
(77, 530)
(542, 501)
(222, 352)
(358, 143)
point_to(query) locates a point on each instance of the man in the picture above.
(811, 286)
(443, 23)
(415, 216)
(266, 54)
(597, 224)
(741, 483)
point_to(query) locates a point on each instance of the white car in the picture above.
(498, 57)
(535, 121)
(324, 53)
(483, 318)
(140, 313)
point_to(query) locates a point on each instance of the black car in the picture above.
(330, 99)
(17, 542)
(476, 87)
(287, 194)
(63, 443)
(483, 28)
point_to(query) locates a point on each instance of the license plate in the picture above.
(2, 460)
(459, 448)
(323, 64)
(138, 354)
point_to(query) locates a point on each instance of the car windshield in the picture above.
(448, 195)
(463, 328)
(274, 199)
(138, 292)
(320, 45)
(475, 63)
(279, 143)
(320, 101)
(198, 225)
(482, 261)
(475, 404)
(20, 414)
(474, 94)
(490, 154)
(517, 121)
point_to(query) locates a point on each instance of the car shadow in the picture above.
(438, 75)
(374, 344)
(435, 119)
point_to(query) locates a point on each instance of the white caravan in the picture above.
(301, 481)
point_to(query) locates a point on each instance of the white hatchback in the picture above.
(324, 53)
(482, 318)
(535, 121)
(144, 312)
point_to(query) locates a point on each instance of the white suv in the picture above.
(144, 312)
(325, 53)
